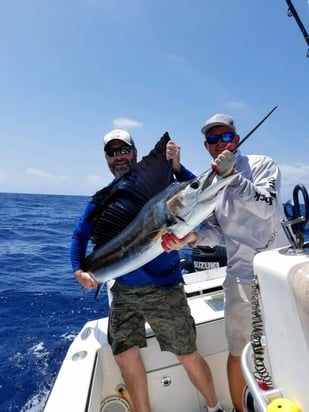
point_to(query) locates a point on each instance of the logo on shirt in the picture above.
(272, 183)
(259, 197)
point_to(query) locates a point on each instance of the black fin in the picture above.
(129, 194)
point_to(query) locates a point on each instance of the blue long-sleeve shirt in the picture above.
(163, 270)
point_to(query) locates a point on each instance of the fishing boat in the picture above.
(89, 379)
(275, 362)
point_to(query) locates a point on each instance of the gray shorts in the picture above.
(166, 311)
(238, 316)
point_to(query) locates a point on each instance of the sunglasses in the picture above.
(123, 150)
(225, 137)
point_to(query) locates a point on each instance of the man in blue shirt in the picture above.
(153, 293)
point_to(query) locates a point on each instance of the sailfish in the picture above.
(145, 204)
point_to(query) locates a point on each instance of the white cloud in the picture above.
(126, 123)
(94, 181)
(38, 173)
(235, 105)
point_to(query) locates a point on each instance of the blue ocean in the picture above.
(42, 306)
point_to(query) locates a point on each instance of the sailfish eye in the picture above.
(195, 184)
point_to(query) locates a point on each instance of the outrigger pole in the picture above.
(293, 12)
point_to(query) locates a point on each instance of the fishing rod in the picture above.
(293, 12)
(254, 129)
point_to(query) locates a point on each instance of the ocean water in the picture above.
(42, 307)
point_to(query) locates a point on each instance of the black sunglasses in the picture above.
(225, 137)
(123, 150)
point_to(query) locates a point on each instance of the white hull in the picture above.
(283, 278)
(89, 379)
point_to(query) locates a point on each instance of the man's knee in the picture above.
(127, 356)
(189, 359)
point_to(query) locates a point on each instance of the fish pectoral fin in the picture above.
(98, 291)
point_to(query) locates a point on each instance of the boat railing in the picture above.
(261, 397)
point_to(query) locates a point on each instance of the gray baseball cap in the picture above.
(219, 119)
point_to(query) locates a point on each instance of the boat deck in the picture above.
(90, 380)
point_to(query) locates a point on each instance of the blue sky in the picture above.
(72, 70)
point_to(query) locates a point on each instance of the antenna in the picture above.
(293, 12)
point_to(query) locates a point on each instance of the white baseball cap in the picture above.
(118, 134)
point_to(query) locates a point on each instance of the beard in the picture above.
(118, 170)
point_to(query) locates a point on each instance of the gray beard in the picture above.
(119, 173)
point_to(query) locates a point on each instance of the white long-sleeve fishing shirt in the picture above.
(248, 213)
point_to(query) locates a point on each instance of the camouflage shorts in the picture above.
(166, 311)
